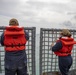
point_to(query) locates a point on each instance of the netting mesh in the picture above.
(48, 60)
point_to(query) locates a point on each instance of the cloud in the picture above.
(4, 20)
(29, 7)
(8, 4)
(17, 7)
(9, 8)
(54, 1)
(34, 7)
(38, 13)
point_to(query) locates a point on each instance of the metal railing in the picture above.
(48, 60)
(30, 50)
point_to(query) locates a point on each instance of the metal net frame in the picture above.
(48, 60)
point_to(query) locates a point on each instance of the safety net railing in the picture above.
(30, 50)
(48, 60)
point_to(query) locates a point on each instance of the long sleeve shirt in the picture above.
(57, 46)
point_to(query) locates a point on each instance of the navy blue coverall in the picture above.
(64, 62)
(15, 61)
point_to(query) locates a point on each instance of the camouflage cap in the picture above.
(13, 21)
(65, 32)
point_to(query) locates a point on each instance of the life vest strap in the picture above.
(15, 45)
(68, 52)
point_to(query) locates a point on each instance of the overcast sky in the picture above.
(39, 13)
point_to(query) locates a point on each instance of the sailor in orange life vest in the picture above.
(62, 49)
(14, 39)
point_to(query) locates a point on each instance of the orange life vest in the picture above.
(67, 45)
(14, 38)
